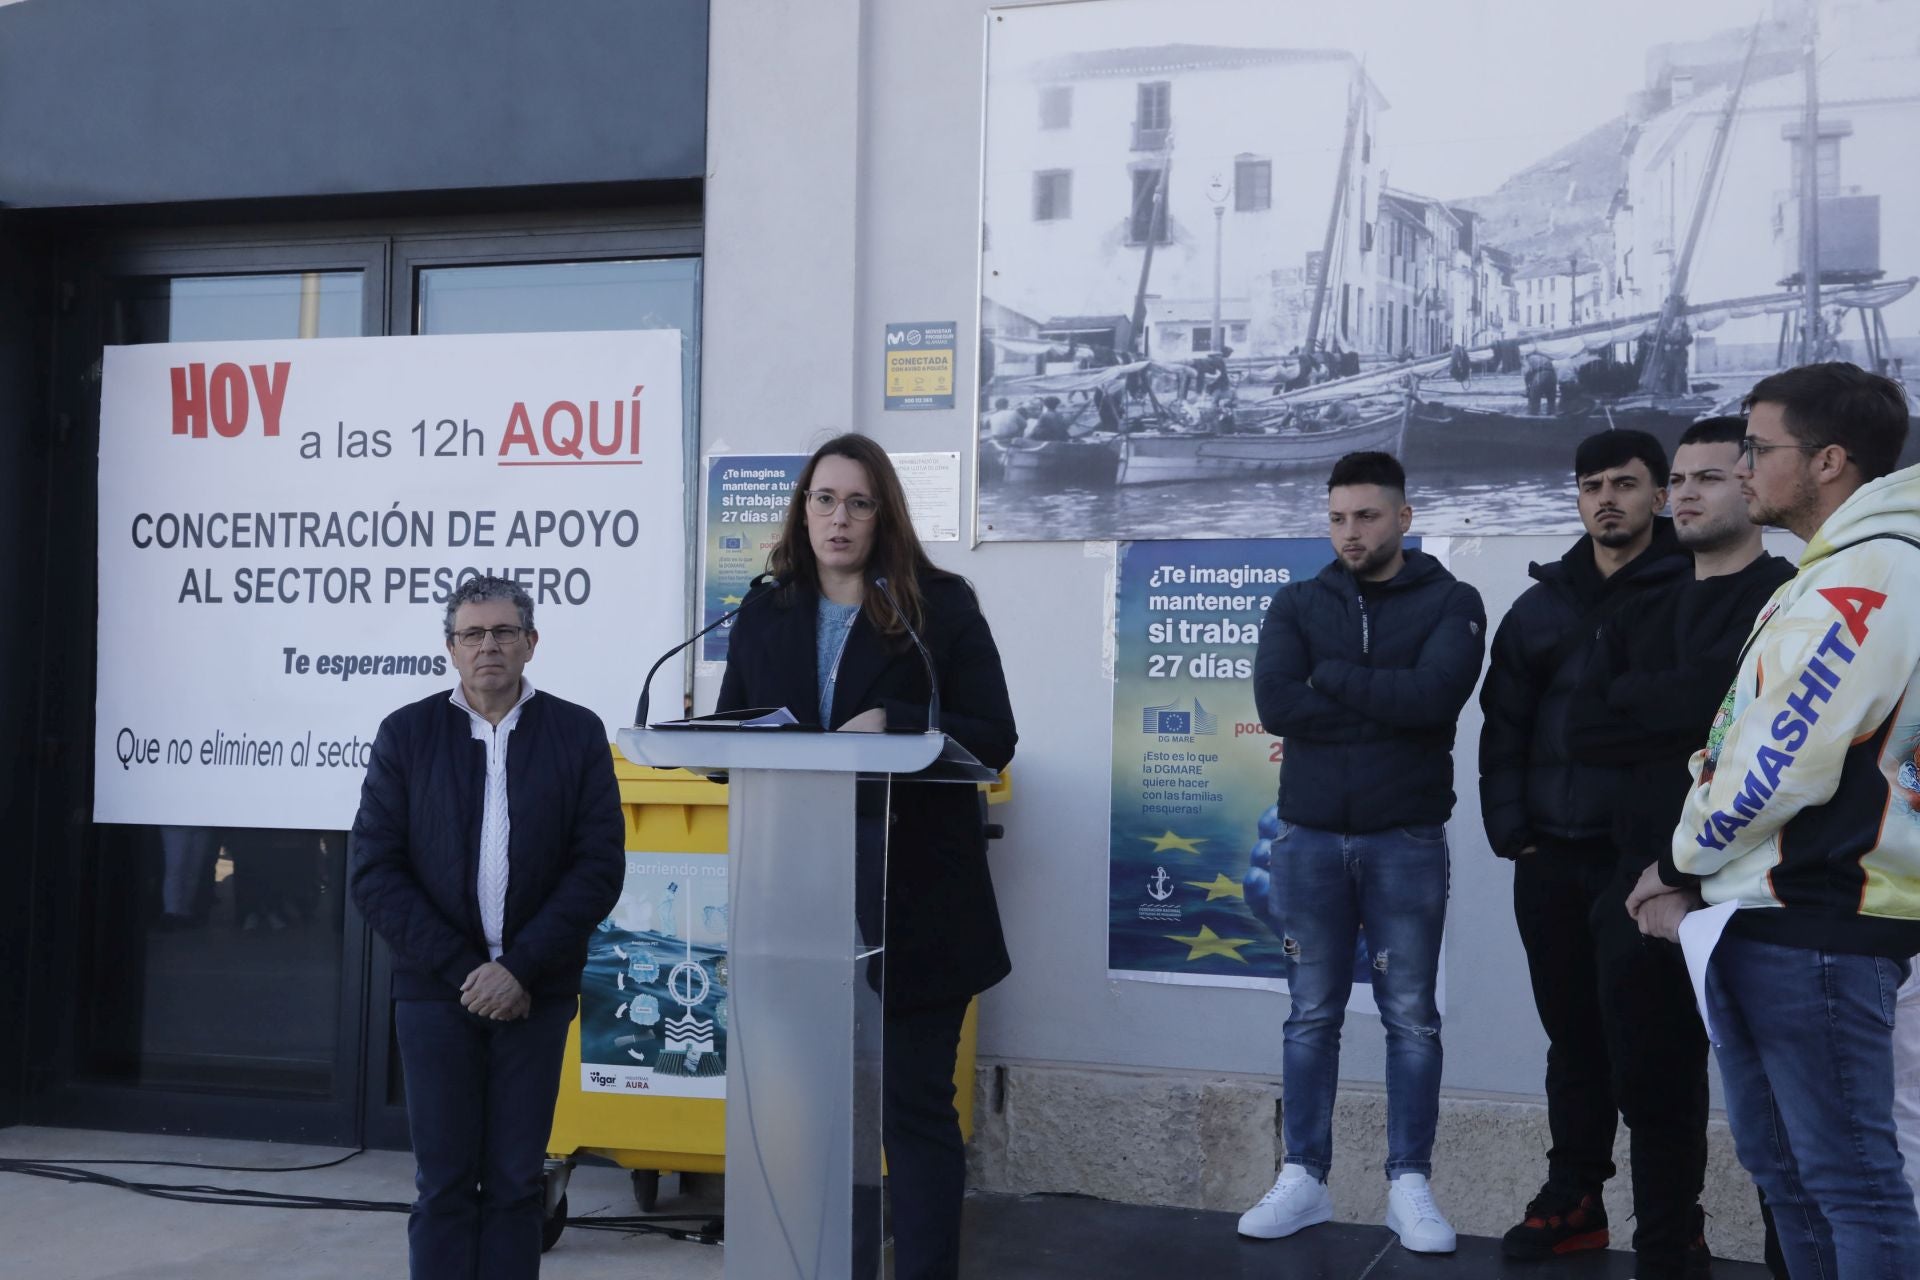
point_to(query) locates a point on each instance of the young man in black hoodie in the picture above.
(1363, 670)
(1659, 670)
(1553, 815)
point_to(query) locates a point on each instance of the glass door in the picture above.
(218, 980)
(202, 979)
(448, 287)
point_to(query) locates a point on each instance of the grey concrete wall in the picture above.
(822, 226)
(801, 280)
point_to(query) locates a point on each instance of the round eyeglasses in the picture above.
(824, 502)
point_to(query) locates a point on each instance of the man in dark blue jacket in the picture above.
(485, 870)
(1363, 670)
(1553, 814)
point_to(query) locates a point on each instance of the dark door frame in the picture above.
(86, 272)
(362, 1107)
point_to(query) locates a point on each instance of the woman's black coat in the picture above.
(943, 927)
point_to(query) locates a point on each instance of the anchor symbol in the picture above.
(1160, 885)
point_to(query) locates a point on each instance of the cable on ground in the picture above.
(708, 1232)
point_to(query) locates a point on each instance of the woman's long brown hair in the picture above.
(896, 555)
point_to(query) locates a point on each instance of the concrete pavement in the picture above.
(59, 1231)
(56, 1231)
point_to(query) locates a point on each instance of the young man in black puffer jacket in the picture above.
(1553, 814)
(1659, 670)
(1363, 670)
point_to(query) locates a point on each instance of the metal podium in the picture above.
(806, 892)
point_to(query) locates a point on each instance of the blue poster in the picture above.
(1195, 775)
(747, 499)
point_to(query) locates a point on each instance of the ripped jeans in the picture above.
(1326, 888)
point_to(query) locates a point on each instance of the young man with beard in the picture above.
(1363, 670)
(1655, 679)
(1804, 812)
(1553, 814)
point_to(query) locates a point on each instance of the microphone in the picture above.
(933, 678)
(775, 582)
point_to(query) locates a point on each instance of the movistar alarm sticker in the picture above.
(1818, 681)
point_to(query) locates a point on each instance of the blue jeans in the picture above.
(480, 1099)
(1805, 1043)
(1326, 887)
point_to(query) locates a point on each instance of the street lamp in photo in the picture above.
(1218, 192)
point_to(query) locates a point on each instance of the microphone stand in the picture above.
(933, 678)
(646, 689)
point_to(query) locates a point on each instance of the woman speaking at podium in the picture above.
(832, 643)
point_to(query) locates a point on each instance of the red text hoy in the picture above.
(221, 398)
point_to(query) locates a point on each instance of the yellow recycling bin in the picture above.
(644, 1079)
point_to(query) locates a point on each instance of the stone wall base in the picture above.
(1213, 1142)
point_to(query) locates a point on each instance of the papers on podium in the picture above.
(753, 718)
(719, 743)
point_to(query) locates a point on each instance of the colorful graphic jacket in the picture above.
(1806, 799)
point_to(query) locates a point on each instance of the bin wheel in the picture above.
(556, 1223)
(646, 1189)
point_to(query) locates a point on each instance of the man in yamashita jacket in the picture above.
(485, 870)
(1553, 815)
(1363, 670)
(1805, 812)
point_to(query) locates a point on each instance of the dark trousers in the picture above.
(926, 1159)
(1657, 1050)
(480, 1099)
(1775, 1260)
(1555, 889)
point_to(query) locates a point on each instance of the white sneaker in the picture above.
(1297, 1199)
(1415, 1218)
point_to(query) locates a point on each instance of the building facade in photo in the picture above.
(1103, 154)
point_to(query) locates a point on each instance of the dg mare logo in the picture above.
(1173, 719)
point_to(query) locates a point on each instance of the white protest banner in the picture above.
(281, 524)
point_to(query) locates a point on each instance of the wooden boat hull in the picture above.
(1443, 434)
(1171, 457)
(1056, 462)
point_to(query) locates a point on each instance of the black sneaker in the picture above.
(1696, 1263)
(1557, 1222)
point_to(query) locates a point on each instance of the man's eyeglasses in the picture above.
(1751, 449)
(824, 502)
(505, 637)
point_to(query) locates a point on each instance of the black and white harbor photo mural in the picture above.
(1226, 241)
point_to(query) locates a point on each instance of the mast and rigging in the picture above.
(1355, 92)
(1810, 197)
(1676, 301)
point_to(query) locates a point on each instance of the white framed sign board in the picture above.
(281, 522)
